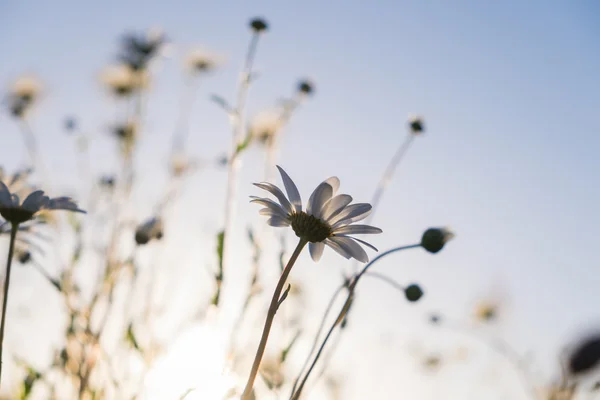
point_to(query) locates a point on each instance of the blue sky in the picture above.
(509, 92)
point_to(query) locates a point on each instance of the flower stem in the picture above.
(239, 130)
(296, 394)
(11, 249)
(247, 395)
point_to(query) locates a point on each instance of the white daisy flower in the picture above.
(328, 219)
(16, 212)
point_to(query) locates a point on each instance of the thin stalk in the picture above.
(318, 334)
(32, 149)
(239, 127)
(13, 235)
(275, 301)
(296, 395)
(183, 124)
(503, 349)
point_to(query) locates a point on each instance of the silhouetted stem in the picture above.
(269, 321)
(296, 395)
(13, 235)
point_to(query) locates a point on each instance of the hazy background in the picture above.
(509, 160)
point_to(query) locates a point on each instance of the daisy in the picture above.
(16, 212)
(327, 220)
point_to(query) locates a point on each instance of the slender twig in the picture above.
(247, 395)
(239, 127)
(13, 235)
(296, 395)
(502, 348)
(318, 334)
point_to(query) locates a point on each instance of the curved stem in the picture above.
(247, 395)
(318, 334)
(13, 235)
(296, 395)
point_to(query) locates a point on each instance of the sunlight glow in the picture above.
(195, 362)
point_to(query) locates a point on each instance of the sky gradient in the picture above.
(510, 95)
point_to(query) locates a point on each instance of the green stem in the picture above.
(247, 395)
(11, 249)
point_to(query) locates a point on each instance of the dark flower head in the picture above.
(24, 256)
(70, 124)
(416, 125)
(434, 239)
(435, 319)
(259, 25)
(107, 181)
(306, 87)
(413, 292)
(151, 229)
(22, 96)
(138, 50)
(585, 356)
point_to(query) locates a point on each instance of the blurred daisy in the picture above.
(181, 164)
(151, 229)
(266, 125)
(486, 311)
(200, 61)
(122, 80)
(327, 220)
(138, 50)
(22, 95)
(16, 212)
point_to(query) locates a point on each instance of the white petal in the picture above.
(356, 230)
(369, 245)
(316, 250)
(275, 191)
(352, 247)
(335, 246)
(273, 213)
(5, 199)
(334, 182)
(318, 198)
(335, 206)
(351, 212)
(269, 204)
(35, 201)
(278, 222)
(291, 189)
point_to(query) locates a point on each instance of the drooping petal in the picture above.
(352, 247)
(350, 213)
(269, 204)
(278, 222)
(357, 230)
(339, 249)
(335, 206)
(291, 190)
(318, 198)
(273, 213)
(35, 201)
(369, 245)
(62, 203)
(5, 199)
(275, 191)
(316, 250)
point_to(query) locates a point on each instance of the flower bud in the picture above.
(434, 239)
(258, 25)
(413, 292)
